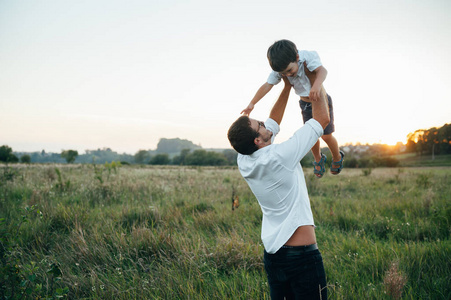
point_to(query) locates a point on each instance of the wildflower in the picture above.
(394, 281)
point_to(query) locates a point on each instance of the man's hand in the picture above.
(248, 109)
(285, 80)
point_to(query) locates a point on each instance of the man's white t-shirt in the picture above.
(275, 176)
(300, 81)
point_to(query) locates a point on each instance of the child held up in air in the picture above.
(306, 74)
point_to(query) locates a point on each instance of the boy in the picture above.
(302, 68)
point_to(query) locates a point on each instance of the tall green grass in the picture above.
(170, 233)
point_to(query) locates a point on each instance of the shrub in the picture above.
(6, 154)
(26, 159)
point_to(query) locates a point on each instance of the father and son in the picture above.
(292, 261)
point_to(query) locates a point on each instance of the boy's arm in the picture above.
(278, 109)
(320, 75)
(262, 91)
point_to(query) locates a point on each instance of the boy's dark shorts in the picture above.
(306, 108)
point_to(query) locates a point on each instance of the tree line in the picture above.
(434, 141)
(357, 156)
(188, 157)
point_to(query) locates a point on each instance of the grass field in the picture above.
(147, 232)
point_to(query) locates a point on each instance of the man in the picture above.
(273, 172)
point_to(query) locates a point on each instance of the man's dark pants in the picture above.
(294, 273)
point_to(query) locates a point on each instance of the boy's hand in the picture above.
(248, 109)
(315, 93)
(316, 79)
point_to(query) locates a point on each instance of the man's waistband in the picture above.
(293, 251)
(297, 249)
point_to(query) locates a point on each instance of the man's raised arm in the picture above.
(320, 108)
(278, 109)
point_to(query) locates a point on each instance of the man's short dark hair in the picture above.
(281, 54)
(241, 136)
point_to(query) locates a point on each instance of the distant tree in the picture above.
(230, 155)
(43, 157)
(180, 159)
(445, 139)
(69, 155)
(385, 162)
(411, 145)
(205, 158)
(103, 155)
(160, 159)
(142, 156)
(351, 162)
(6, 154)
(26, 159)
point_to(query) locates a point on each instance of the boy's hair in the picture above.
(241, 136)
(281, 54)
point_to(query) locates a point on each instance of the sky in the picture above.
(91, 74)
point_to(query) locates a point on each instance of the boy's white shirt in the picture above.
(275, 176)
(300, 82)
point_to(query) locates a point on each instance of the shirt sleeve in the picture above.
(274, 78)
(294, 149)
(311, 58)
(272, 126)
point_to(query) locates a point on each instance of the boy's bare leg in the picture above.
(316, 151)
(332, 143)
